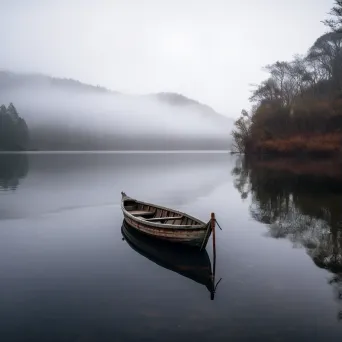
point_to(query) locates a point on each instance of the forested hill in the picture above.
(298, 109)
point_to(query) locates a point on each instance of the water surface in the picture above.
(67, 274)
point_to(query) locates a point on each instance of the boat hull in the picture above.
(191, 237)
(165, 224)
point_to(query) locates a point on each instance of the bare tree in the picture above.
(267, 91)
(241, 132)
(335, 23)
(327, 51)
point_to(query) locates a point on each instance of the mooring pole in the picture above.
(213, 222)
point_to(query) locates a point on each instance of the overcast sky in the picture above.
(209, 50)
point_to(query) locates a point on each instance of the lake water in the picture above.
(68, 275)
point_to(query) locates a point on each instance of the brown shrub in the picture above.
(322, 144)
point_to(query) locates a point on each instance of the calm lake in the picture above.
(67, 274)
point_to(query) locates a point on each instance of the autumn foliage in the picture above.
(319, 144)
(311, 127)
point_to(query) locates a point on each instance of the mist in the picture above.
(108, 113)
(61, 114)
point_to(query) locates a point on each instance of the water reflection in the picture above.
(60, 183)
(300, 201)
(13, 167)
(190, 263)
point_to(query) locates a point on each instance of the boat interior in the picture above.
(152, 213)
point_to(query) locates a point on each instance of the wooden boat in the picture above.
(166, 224)
(188, 262)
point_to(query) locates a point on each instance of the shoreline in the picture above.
(116, 152)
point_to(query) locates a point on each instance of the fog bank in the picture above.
(74, 112)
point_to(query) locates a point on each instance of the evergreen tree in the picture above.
(12, 112)
(3, 110)
(14, 134)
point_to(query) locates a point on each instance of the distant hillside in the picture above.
(10, 80)
(180, 100)
(66, 114)
(175, 99)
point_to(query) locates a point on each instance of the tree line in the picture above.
(14, 133)
(298, 108)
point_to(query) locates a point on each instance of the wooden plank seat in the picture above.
(142, 212)
(164, 218)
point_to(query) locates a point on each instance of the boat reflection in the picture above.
(188, 262)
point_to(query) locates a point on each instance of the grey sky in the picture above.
(209, 50)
